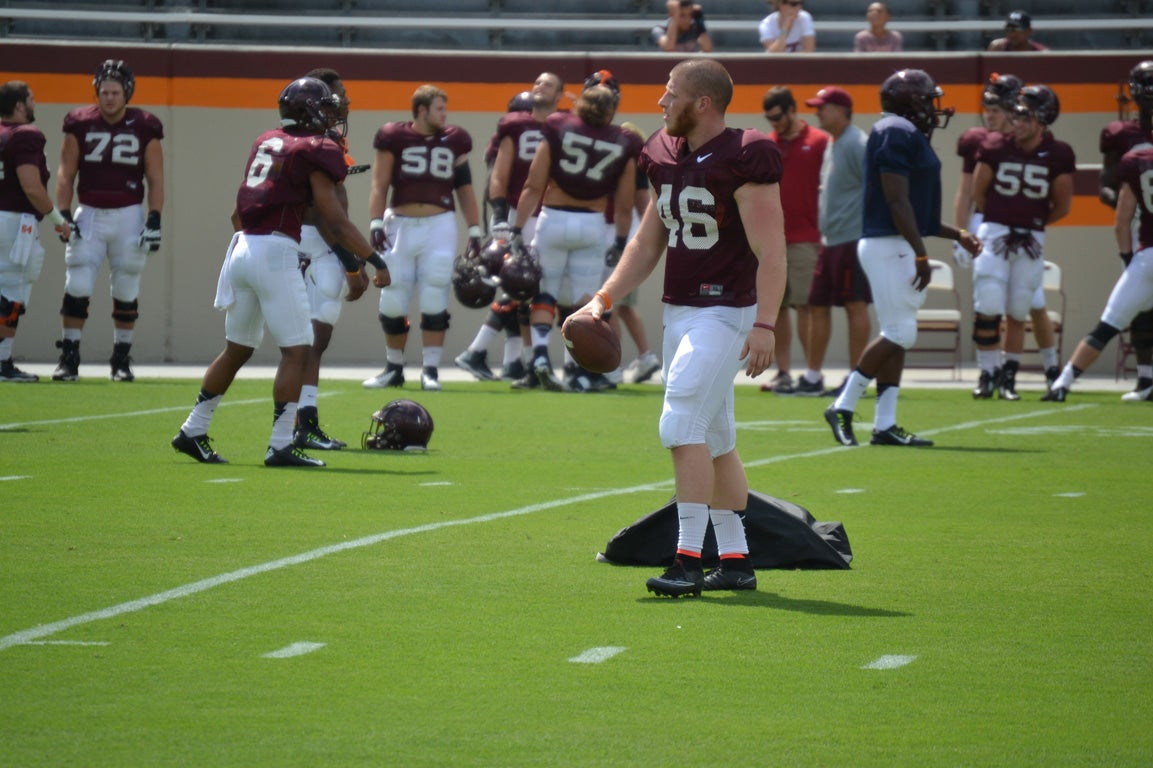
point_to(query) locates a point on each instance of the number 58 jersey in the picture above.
(1022, 182)
(709, 261)
(111, 168)
(422, 169)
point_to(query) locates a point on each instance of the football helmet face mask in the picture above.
(913, 95)
(1141, 85)
(520, 275)
(491, 260)
(402, 425)
(1040, 102)
(113, 69)
(1002, 91)
(468, 279)
(309, 104)
(522, 102)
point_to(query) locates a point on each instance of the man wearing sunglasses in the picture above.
(788, 29)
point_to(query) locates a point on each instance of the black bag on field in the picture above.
(781, 535)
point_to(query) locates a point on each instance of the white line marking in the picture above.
(46, 630)
(1071, 495)
(16, 477)
(225, 480)
(889, 662)
(296, 649)
(597, 655)
(436, 484)
(851, 490)
(102, 416)
(66, 642)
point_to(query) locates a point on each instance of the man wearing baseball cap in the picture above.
(1018, 29)
(838, 280)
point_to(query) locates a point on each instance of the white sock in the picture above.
(308, 396)
(6, 347)
(988, 359)
(1066, 378)
(200, 419)
(121, 335)
(855, 387)
(1048, 358)
(513, 349)
(485, 335)
(73, 334)
(282, 426)
(1145, 371)
(812, 376)
(693, 521)
(431, 356)
(730, 531)
(886, 414)
(395, 356)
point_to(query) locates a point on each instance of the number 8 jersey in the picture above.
(709, 259)
(111, 166)
(422, 171)
(1019, 194)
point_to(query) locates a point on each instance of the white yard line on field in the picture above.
(46, 630)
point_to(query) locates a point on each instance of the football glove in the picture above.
(963, 258)
(613, 254)
(150, 235)
(72, 233)
(378, 235)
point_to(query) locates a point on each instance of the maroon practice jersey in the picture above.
(276, 188)
(1137, 172)
(587, 162)
(968, 145)
(526, 135)
(111, 168)
(709, 261)
(1118, 137)
(422, 171)
(19, 145)
(1018, 195)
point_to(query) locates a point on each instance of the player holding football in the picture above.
(423, 163)
(723, 285)
(1023, 182)
(582, 161)
(111, 152)
(902, 208)
(288, 168)
(999, 100)
(1117, 138)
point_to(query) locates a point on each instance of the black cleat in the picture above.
(198, 447)
(677, 581)
(289, 456)
(808, 388)
(1007, 383)
(513, 371)
(1055, 395)
(729, 578)
(1051, 375)
(310, 435)
(842, 425)
(121, 363)
(895, 435)
(542, 368)
(476, 363)
(1143, 392)
(528, 381)
(69, 367)
(9, 372)
(986, 384)
(391, 376)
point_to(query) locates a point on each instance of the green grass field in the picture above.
(448, 594)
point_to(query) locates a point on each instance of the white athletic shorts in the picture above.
(324, 279)
(570, 244)
(268, 288)
(21, 256)
(423, 250)
(890, 267)
(112, 234)
(1006, 286)
(1133, 292)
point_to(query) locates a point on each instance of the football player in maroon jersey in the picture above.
(1133, 292)
(583, 160)
(1022, 183)
(288, 169)
(422, 163)
(998, 101)
(517, 135)
(1117, 138)
(111, 153)
(24, 201)
(716, 212)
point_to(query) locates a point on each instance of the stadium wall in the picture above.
(215, 100)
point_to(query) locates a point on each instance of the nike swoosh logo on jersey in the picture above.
(1042, 154)
(703, 158)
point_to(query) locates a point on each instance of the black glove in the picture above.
(1127, 257)
(613, 254)
(150, 235)
(71, 223)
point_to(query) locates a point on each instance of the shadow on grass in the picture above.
(983, 449)
(777, 602)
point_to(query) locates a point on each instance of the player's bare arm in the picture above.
(534, 185)
(624, 198)
(381, 180)
(982, 177)
(1060, 198)
(764, 225)
(1123, 219)
(331, 212)
(896, 189)
(640, 258)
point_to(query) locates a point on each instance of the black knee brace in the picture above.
(1101, 335)
(75, 306)
(545, 302)
(125, 311)
(437, 322)
(394, 326)
(10, 311)
(987, 332)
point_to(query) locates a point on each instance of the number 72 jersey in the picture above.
(1022, 182)
(111, 167)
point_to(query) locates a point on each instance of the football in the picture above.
(592, 343)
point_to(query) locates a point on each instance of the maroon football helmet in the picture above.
(1039, 101)
(402, 425)
(1002, 91)
(470, 283)
(309, 104)
(491, 260)
(913, 95)
(114, 69)
(520, 275)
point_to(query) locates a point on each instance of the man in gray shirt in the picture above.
(839, 280)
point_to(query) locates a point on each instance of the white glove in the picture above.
(150, 235)
(963, 258)
(378, 235)
(500, 230)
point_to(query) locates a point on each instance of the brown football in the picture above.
(592, 343)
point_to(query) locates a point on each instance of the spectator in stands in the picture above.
(788, 29)
(877, 39)
(685, 29)
(1018, 29)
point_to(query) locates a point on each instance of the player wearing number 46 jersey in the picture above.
(1022, 183)
(716, 211)
(111, 154)
(423, 164)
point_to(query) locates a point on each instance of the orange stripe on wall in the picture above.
(1087, 211)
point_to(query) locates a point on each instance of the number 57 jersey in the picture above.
(1019, 194)
(709, 261)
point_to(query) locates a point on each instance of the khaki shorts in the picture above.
(802, 262)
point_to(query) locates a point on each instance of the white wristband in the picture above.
(56, 217)
(475, 232)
